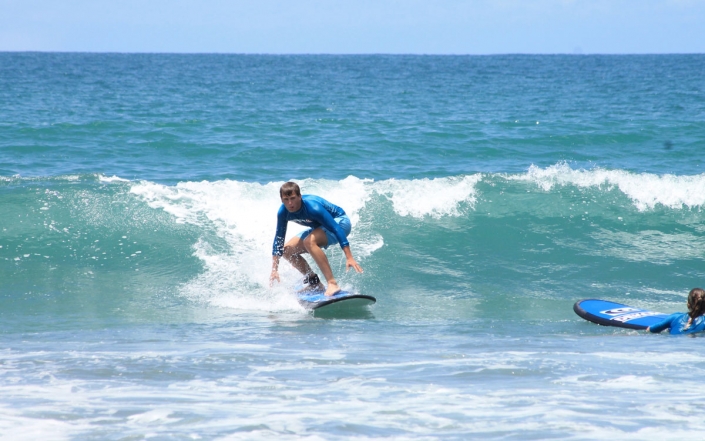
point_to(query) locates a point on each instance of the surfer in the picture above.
(685, 323)
(328, 225)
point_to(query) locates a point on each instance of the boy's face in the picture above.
(292, 202)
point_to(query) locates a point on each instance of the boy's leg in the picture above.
(293, 250)
(313, 243)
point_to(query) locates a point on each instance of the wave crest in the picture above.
(646, 190)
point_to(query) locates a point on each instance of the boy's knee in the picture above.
(288, 252)
(309, 242)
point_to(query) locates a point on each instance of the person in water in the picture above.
(328, 225)
(685, 323)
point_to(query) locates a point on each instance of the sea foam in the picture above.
(430, 197)
(646, 190)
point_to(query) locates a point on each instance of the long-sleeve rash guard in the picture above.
(676, 322)
(314, 212)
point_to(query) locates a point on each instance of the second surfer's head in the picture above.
(696, 302)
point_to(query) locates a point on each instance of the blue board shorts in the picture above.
(343, 221)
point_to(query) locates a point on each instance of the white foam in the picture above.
(281, 389)
(113, 178)
(156, 416)
(430, 197)
(646, 190)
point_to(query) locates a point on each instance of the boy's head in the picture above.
(289, 188)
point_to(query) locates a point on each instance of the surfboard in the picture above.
(608, 313)
(316, 300)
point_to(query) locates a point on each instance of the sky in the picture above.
(355, 26)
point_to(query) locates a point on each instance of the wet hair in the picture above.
(289, 188)
(696, 305)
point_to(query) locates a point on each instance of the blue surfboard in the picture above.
(608, 313)
(343, 300)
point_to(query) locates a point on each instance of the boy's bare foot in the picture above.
(332, 289)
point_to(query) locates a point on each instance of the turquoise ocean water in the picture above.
(138, 196)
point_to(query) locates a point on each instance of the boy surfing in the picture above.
(328, 225)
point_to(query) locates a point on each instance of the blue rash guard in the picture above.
(314, 212)
(677, 321)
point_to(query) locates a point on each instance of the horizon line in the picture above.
(577, 54)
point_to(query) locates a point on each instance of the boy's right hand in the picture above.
(274, 276)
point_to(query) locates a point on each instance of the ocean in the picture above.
(488, 194)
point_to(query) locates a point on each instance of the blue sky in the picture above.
(355, 26)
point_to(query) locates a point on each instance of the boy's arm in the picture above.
(278, 245)
(275, 270)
